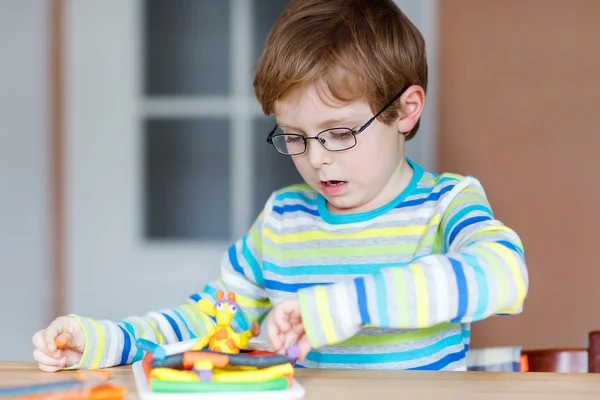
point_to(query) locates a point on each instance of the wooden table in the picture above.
(378, 385)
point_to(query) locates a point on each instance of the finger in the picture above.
(43, 358)
(291, 338)
(54, 329)
(72, 357)
(38, 340)
(283, 324)
(273, 334)
(304, 347)
(40, 343)
(48, 368)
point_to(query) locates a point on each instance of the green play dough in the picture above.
(189, 387)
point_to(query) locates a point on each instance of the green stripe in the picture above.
(402, 298)
(355, 251)
(463, 198)
(189, 312)
(307, 316)
(501, 282)
(400, 338)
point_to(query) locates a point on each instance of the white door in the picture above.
(166, 163)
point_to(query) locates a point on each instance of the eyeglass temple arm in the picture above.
(270, 135)
(365, 126)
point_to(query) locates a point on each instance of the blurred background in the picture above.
(132, 150)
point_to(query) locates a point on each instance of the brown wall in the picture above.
(519, 106)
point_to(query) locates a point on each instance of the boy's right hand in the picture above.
(48, 355)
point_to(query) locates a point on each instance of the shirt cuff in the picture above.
(86, 358)
(330, 313)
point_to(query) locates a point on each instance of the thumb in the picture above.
(56, 327)
(75, 340)
(303, 347)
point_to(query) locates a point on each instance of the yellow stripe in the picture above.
(159, 338)
(325, 314)
(421, 295)
(510, 260)
(430, 179)
(100, 349)
(189, 313)
(248, 302)
(416, 230)
(255, 237)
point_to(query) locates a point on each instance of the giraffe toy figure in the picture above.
(222, 338)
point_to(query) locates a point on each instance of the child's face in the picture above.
(359, 179)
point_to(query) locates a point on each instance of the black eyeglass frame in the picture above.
(307, 138)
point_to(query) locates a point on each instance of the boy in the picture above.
(373, 263)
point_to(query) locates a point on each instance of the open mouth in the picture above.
(334, 183)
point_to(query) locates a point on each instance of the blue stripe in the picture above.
(459, 215)
(511, 246)
(126, 346)
(382, 302)
(482, 286)
(234, 261)
(190, 333)
(241, 321)
(210, 291)
(464, 224)
(461, 289)
(361, 298)
(174, 326)
(423, 190)
(443, 362)
(254, 266)
(139, 353)
(336, 269)
(290, 287)
(296, 196)
(432, 197)
(196, 297)
(376, 358)
(295, 207)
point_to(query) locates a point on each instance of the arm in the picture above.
(110, 343)
(480, 272)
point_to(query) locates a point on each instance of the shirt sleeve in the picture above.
(477, 271)
(111, 343)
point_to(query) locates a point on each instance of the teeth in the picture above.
(334, 183)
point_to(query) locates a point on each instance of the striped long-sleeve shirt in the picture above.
(392, 288)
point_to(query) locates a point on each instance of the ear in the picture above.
(412, 103)
(206, 307)
(220, 295)
(231, 296)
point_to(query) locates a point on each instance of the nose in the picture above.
(318, 155)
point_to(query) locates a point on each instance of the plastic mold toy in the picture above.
(218, 361)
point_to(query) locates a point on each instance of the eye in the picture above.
(233, 308)
(340, 134)
(292, 139)
(219, 305)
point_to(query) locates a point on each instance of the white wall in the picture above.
(25, 288)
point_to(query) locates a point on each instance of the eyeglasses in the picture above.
(334, 139)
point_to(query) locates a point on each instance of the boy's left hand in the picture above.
(285, 328)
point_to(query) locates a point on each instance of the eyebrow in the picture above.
(328, 124)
